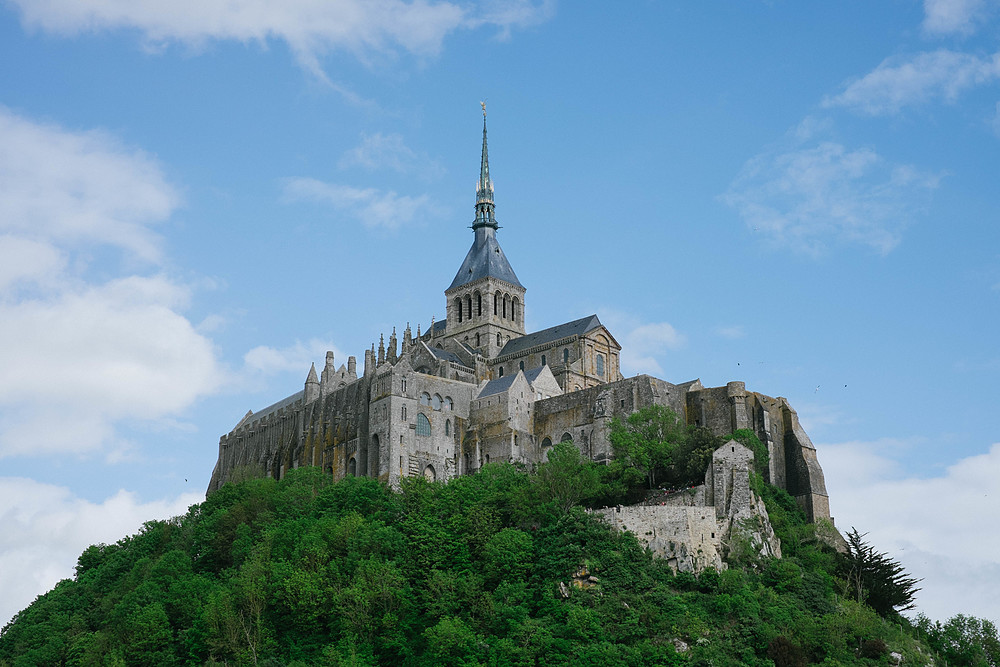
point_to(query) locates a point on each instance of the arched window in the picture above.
(447, 427)
(600, 365)
(477, 340)
(506, 305)
(496, 303)
(458, 308)
(479, 304)
(352, 467)
(566, 437)
(468, 306)
(448, 403)
(425, 398)
(547, 442)
(543, 360)
(521, 365)
(423, 424)
(514, 306)
(565, 355)
(501, 372)
(436, 401)
(429, 473)
(498, 338)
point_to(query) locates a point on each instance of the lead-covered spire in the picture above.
(484, 188)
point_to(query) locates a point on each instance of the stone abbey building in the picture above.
(476, 387)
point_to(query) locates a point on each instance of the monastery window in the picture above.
(498, 338)
(506, 305)
(448, 403)
(447, 427)
(565, 355)
(501, 370)
(423, 424)
(543, 360)
(547, 442)
(425, 398)
(566, 437)
(600, 365)
(521, 365)
(436, 401)
(514, 304)
(576, 387)
(458, 308)
(477, 340)
(429, 474)
(479, 304)
(404, 413)
(468, 306)
(496, 303)
(404, 385)
(352, 467)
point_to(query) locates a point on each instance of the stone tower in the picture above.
(485, 301)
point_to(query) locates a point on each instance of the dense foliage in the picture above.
(498, 568)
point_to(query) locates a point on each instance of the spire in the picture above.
(484, 188)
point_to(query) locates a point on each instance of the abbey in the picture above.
(475, 387)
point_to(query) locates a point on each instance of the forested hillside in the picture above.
(498, 568)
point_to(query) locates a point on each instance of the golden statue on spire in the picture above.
(483, 105)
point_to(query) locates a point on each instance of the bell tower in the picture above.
(485, 301)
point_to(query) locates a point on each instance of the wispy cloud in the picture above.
(732, 332)
(938, 527)
(80, 356)
(949, 17)
(644, 344)
(373, 207)
(311, 29)
(901, 81)
(267, 360)
(389, 151)
(44, 528)
(811, 194)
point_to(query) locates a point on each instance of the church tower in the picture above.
(486, 300)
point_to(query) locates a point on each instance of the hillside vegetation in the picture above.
(498, 568)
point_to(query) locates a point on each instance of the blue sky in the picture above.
(198, 199)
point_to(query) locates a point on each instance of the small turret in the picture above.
(391, 352)
(352, 366)
(312, 385)
(326, 377)
(407, 338)
(370, 361)
(381, 349)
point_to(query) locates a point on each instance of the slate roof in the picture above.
(574, 328)
(497, 386)
(485, 259)
(274, 407)
(446, 355)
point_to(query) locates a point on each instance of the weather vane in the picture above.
(483, 105)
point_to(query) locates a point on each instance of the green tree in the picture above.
(646, 440)
(875, 579)
(566, 479)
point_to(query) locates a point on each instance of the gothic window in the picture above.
(447, 427)
(436, 401)
(477, 340)
(496, 303)
(352, 467)
(468, 307)
(514, 305)
(547, 442)
(425, 398)
(448, 403)
(458, 308)
(403, 415)
(404, 385)
(521, 365)
(566, 437)
(501, 372)
(498, 338)
(506, 305)
(423, 424)
(565, 355)
(600, 365)
(479, 304)
(543, 360)
(429, 474)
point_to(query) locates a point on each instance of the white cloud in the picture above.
(79, 356)
(310, 28)
(904, 80)
(295, 358)
(808, 197)
(732, 332)
(644, 343)
(373, 207)
(44, 528)
(944, 17)
(70, 187)
(389, 151)
(940, 528)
